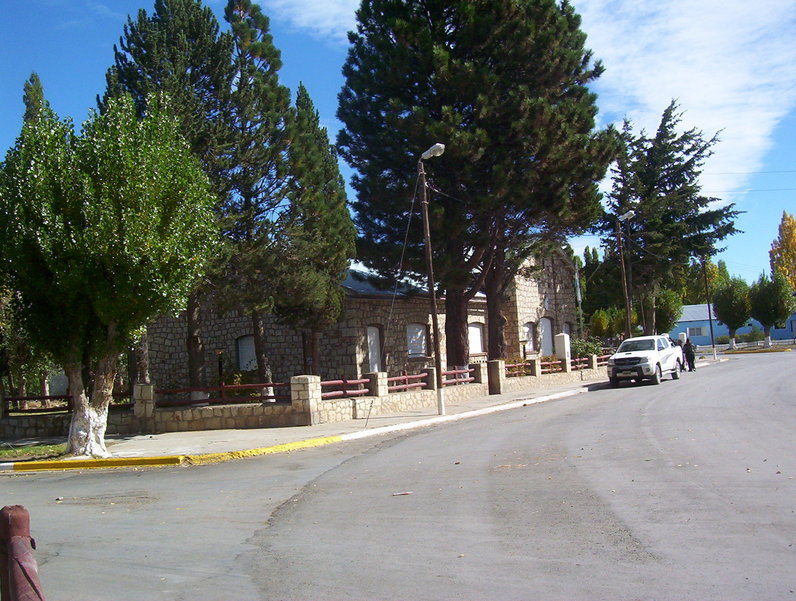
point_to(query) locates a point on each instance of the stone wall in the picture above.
(546, 290)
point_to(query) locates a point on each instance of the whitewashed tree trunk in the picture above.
(90, 415)
(767, 343)
(732, 343)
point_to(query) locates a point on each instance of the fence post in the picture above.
(536, 367)
(143, 400)
(19, 574)
(305, 394)
(431, 378)
(378, 383)
(496, 375)
(592, 362)
(479, 373)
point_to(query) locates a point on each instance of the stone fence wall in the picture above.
(306, 406)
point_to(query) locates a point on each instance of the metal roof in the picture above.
(362, 283)
(696, 313)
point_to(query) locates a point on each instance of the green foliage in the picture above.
(315, 248)
(754, 335)
(505, 86)
(783, 250)
(771, 300)
(732, 305)
(33, 98)
(600, 324)
(101, 230)
(668, 309)
(658, 178)
(583, 347)
(691, 280)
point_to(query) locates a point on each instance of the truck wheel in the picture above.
(614, 382)
(676, 372)
(656, 379)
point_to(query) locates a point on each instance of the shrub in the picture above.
(583, 347)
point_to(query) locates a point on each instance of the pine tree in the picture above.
(504, 85)
(318, 242)
(771, 302)
(179, 51)
(259, 115)
(783, 249)
(658, 178)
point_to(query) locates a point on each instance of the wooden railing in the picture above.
(460, 376)
(224, 394)
(344, 390)
(406, 382)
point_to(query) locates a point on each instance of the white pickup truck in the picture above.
(645, 358)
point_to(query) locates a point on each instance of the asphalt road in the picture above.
(680, 491)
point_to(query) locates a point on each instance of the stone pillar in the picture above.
(563, 352)
(378, 383)
(143, 400)
(431, 378)
(305, 394)
(480, 375)
(496, 374)
(592, 362)
(536, 367)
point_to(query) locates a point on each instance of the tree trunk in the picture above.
(264, 374)
(649, 315)
(732, 339)
(197, 376)
(44, 388)
(312, 352)
(496, 320)
(141, 351)
(457, 344)
(90, 415)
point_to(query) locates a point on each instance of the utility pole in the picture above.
(627, 215)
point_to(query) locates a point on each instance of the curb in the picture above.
(209, 458)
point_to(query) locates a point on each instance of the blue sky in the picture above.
(731, 64)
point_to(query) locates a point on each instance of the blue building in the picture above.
(694, 323)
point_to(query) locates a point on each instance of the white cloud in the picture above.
(729, 63)
(330, 19)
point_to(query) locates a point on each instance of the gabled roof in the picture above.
(696, 313)
(362, 283)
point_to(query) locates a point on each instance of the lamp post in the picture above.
(621, 219)
(434, 151)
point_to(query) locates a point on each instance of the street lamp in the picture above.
(621, 219)
(434, 151)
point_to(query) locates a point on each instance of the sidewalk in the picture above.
(212, 446)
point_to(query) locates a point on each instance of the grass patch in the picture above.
(29, 452)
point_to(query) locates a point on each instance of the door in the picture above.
(546, 334)
(374, 349)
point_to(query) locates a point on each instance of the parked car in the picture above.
(645, 358)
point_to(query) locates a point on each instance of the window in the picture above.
(529, 330)
(700, 331)
(416, 336)
(374, 349)
(247, 358)
(475, 335)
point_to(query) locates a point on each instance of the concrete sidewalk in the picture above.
(212, 446)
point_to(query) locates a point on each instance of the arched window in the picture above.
(247, 358)
(416, 337)
(529, 330)
(374, 349)
(475, 335)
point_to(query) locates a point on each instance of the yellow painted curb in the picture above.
(71, 464)
(280, 448)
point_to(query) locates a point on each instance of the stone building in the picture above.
(379, 330)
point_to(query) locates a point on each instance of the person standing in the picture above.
(690, 354)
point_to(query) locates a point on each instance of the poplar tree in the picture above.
(658, 178)
(318, 241)
(504, 85)
(783, 249)
(732, 305)
(259, 116)
(771, 302)
(178, 50)
(101, 232)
